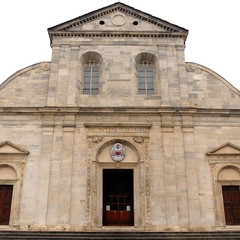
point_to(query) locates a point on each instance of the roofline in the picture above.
(62, 27)
(118, 5)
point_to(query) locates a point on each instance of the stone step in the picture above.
(21, 235)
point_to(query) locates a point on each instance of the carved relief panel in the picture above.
(118, 146)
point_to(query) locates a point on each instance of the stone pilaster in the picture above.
(191, 172)
(169, 171)
(182, 197)
(182, 75)
(54, 184)
(163, 77)
(72, 76)
(66, 170)
(44, 171)
(63, 76)
(52, 87)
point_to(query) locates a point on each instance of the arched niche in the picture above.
(229, 173)
(104, 152)
(7, 172)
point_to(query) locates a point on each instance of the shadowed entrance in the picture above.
(118, 197)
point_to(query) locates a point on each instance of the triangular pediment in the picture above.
(10, 148)
(117, 17)
(225, 149)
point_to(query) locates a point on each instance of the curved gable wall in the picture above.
(207, 89)
(26, 88)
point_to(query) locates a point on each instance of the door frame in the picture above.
(220, 201)
(230, 204)
(9, 214)
(98, 158)
(96, 205)
(136, 204)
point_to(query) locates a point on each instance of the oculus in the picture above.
(118, 152)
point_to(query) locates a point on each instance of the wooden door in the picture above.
(231, 200)
(118, 197)
(5, 203)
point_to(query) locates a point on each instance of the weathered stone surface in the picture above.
(182, 142)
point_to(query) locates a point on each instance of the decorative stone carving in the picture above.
(102, 138)
(138, 139)
(225, 153)
(44, 67)
(97, 139)
(192, 68)
(118, 19)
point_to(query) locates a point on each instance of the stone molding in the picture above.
(166, 29)
(14, 157)
(135, 136)
(222, 157)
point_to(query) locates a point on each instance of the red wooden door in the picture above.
(231, 200)
(5, 203)
(118, 210)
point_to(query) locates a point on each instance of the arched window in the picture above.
(145, 78)
(146, 73)
(91, 73)
(91, 78)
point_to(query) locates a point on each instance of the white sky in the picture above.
(213, 40)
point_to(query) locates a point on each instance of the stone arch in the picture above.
(122, 141)
(145, 56)
(91, 56)
(229, 173)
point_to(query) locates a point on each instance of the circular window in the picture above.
(101, 22)
(135, 23)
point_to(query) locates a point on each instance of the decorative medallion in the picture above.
(118, 20)
(118, 152)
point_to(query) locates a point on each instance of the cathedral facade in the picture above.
(118, 131)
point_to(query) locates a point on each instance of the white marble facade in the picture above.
(182, 142)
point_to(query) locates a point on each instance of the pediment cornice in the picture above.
(224, 150)
(68, 29)
(8, 149)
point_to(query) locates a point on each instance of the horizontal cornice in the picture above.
(116, 34)
(118, 110)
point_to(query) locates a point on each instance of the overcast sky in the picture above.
(213, 40)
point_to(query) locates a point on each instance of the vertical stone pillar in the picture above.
(157, 176)
(172, 73)
(54, 183)
(182, 197)
(66, 170)
(72, 76)
(147, 183)
(44, 171)
(78, 193)
(169, 171)
(52, 87)
(63, 76)
(191, 172)
(163, 75)
(182, 75)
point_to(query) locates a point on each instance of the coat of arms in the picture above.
(118, 152)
